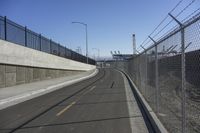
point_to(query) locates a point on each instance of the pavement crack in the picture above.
(112, 84)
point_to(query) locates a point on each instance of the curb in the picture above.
(155, 122)
(4, 103)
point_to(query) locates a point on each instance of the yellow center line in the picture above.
(92, 88)
(65, 109)
(74, 102)
(88, 91)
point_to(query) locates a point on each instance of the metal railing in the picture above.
(168, 75)
(20, 35)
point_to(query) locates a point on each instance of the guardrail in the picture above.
(13, 32)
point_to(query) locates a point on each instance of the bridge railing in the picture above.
(168, 76)
(13, 32)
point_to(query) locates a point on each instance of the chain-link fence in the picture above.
(20, 35)
(168, 76)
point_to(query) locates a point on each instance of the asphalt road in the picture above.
(95, 105)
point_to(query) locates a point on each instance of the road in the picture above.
(95, 105)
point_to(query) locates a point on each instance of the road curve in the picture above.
(95, 105)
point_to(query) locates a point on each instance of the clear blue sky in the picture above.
(110, 22)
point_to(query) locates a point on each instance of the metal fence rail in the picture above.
(20, 35)
(168, 75)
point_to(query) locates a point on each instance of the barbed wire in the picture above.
(163, 28)
(185, 8)
(162, 21)
(175, 16)
(189, 16)
(166, 16)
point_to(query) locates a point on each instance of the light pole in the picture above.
(86, 37)
(97, 50)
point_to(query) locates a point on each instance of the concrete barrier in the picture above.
(19, 64)
(13, 54)
(148, 113)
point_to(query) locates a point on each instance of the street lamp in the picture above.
(86, 37)
(97, 50)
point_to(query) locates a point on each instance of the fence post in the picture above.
(5, 27)
(25, 36)
(146, 74)
(58, 49)
(65, 52)
(50, 47)
(71, 54)
(182, 73)
(145, 78)
(156, 75)
(40, 39)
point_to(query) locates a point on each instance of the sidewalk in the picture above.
(16, 94)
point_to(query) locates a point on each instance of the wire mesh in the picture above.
(54, 48)
(68, 53)
(33, 40)
(169, 81)
(192, 71)
(45, 45)
(61, 51)
(15, 33)
(142, 72)
(174, 67)
(150, 83)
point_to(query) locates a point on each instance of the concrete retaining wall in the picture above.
(13, 54)
(11, 75)
(19, 65)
